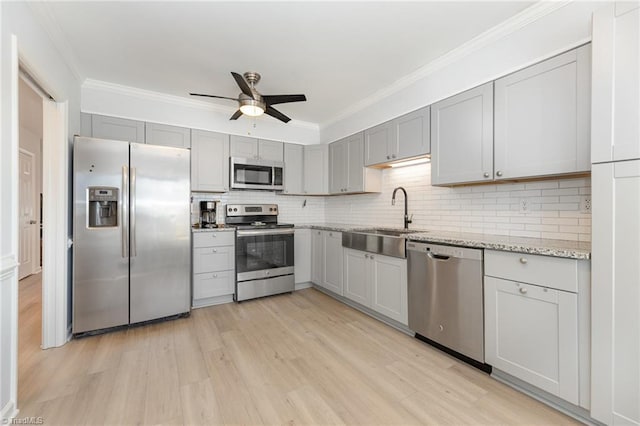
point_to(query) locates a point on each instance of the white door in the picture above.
(270, 150)
(243, 147)
(389, 279)
(209, 161)
(316, 169)
(293, 168)
(28, 223)
(356, 276)
(338, 167)
(317, 256)
(333, 261)
(354, 168)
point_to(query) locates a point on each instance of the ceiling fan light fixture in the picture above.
(252, 107)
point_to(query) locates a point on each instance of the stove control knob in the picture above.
(235, 209)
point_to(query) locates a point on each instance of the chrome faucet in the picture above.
(407, 221)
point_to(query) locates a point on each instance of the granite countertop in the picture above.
(541, 246)
(220, 228)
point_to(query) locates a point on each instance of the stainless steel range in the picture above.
(264, 251)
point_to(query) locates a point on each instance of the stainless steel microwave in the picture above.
(246, 173)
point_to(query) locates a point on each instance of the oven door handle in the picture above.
(256, 232)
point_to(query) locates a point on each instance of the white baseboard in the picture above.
(301, 286)
(212, 301)
(8, 412)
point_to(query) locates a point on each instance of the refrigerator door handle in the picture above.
(124, 211)
(133, 212)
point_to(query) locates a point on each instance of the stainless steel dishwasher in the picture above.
(446, 298)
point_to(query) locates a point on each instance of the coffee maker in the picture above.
(208, 214)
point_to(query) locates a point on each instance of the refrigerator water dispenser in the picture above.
(103, 207)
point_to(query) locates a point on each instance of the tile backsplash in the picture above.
(541, 209)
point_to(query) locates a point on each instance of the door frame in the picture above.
(32, 235)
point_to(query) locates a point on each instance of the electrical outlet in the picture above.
(524, 205)
(585, 204)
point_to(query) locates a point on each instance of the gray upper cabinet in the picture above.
(462, 137)
(347, 173)
(542, 118)
(401, 138)
(244, 147)
(209, 161)
(257, 149)
(117, 128)
(85, 124)
(412, 136)
(162, 134)
(316, 167)
(293, 168)
(377, 141)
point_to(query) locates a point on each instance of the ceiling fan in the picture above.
(252, 103)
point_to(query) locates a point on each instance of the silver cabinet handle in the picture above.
(523, 290)
(486, 174)
(371, 257)
(215, 275)
(214, 235)
(215, 250)
(366, 256)
(125, 211)
(388, 157)
(523, 260)
(134, 251)
(393, 156)
(331, 234)
(498, 173)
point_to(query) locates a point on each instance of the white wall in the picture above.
(553, 206)
(524, 42)
(137, 104)
(45, 63)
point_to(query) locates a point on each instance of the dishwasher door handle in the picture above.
(438, 256)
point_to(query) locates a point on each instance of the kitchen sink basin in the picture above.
(380, 241)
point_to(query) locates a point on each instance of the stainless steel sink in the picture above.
(380, 241)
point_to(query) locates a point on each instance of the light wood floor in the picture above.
(292, 359)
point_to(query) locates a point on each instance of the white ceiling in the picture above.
(337, 53)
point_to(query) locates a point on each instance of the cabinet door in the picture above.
(354, 165)
(317, 257)
(615, 105)
(356, 277)
(270, 150)
(243, 147)
(389, 292)
(615, 293)
(462, 137)
(161, 134)
(531, 333)
(316, 169)
(338, 167)
(542, 118)
(376, 144)
(333, 261)
(117, 128)
(412, 134)
(211, 259)
(293, 168)
(85, 124)
(302, 255)
(213, 284)
(209, 161)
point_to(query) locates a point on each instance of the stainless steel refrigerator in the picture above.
(131, 256)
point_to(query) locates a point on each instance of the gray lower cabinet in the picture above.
(293, 169)
(404, 137)
(326, 260)
(542, 118)
(537, 321)
(462, 137)
(162, 134)
(213, 267)
(209, 161)
(105, 127)
(302, 255)
(377, 282)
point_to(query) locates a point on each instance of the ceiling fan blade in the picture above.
(213, 96)
(236, 115)
(242, 84)
(276, 114)
(282, 99)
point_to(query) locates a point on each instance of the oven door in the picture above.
(264, 253)
(254, 174)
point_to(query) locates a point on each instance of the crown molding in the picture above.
(505, 28)
(122, 90)
(45, 17)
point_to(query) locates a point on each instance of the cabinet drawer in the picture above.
(553, 272)
(213, 239)
(213, 284)
(211, 259)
